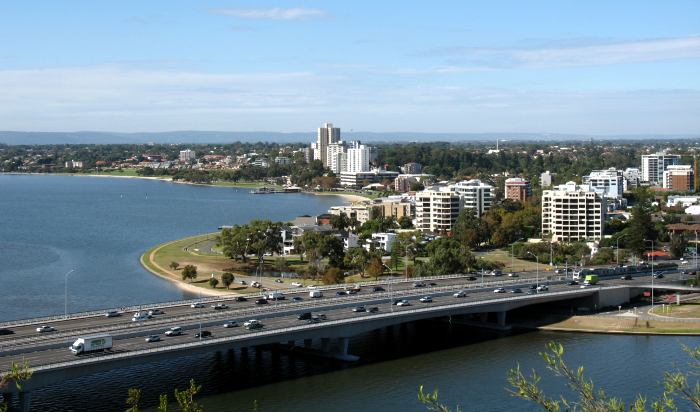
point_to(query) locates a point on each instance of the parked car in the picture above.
(174, 331)
(241, 299)
(426, 299)
(261, 301)
(279, 281)
(197, 305)
(45, 328)
(202, 334)
(359, 309)
(499, 290)
(460, 294)
(378, 289)
(153, 312)
(153, 338)
(404, 302)
(220, 306)
(231, 324)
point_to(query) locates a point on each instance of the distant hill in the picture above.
(194, 137)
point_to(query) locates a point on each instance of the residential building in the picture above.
(395, 208)
(518, 189)
(358, 156)
(283, 160)
(261, 162)
(684, 201)
(610, 182)
(403, 182)
(325, 137)
(546, 179)
(679, 177)
(292, 232)
(572, 212)
(437, 209)
(72, 164)
(361, 212)
(187, 156)
(337, 157)
(412, 168)
(381, 241)
(474, 195)
(359, 179)
(632, 176)
(654, 166)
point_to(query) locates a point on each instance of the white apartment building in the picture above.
(283, 160)
(187, 156)
(654, 166)
(545, 179)
(326, 136)
(572, 212)
(358, 156)
(73, 164)
(474, 195)
(684, 201)
(337, 157)
(633, 176)
(610, 182)
(437, 210)
(381, 241)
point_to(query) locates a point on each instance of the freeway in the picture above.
(50, 348)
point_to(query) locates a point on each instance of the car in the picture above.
(197, 305)
(419, 285)
(658, 276)
(202, 334)
(321, 316)
(153, 312)
(231, 324)
(499, 290)
(243, 282)
(471, 278)
(460, 294)
(542, 288)
(174, 331)
(396, 301)
(626, 277)
(341, 293)
(496, 273)
(297, 284)
(688, 272)
(311, 287)
(279, 281)
(220, 306)
(153, 338)
(45, 328)
(6, 332)
(432, 284)
(241, 299)
(533, 287)
(373, 309)
(513, 275)
(250, 322)
(515, 290)
(359, 309)
(426, 299)
(297, 299)
(112, 314)
(304, 316)
(404, 302)
(261, 301)
(313, 319)
(573, 283)
(253, 326)
(584, 286)
(531, 291)
(378, 289)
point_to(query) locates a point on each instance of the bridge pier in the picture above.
(502, 318)
(24, 401)
(484, 317)
(326, 345)
(307, 343)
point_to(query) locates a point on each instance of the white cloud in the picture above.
(638, 51)
(275, 13)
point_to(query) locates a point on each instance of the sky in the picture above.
(580, 67)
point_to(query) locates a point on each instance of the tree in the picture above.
(332, 276)
(132, 400)
(227, 279)
(357, 258)
(235, 242)
(174, 265)
(640, 227)
(678, 245)
(405, 222)
(375, 268)
(281, 264)
(469, 230)
(340, 222)
(185, 398)
(213, 282)
(17, 375)
(189, 272)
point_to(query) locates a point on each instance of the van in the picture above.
(275, 295)
(315, 294)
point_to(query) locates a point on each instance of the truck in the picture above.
(315, 294)
(275, 295)
(591, 280)
(92, 343)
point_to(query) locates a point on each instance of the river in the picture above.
(99, 227)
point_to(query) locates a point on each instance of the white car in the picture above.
(45, 328)
(197, 305)
(404, 303)
(297, 284)
(174, 331)
(499, 290)
(542, 288)
(153, 338)
(426, 299)
(248, 323)
(311, 287)
(460, 294)
(231, 324)
(112, 313)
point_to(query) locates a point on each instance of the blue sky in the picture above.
(593, 67)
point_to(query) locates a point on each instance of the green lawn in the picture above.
(503, 256)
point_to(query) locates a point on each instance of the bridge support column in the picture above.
(502, 318)
(343, 344)
(24, 401)
(307, 343)
(484, 317)
(326, 344)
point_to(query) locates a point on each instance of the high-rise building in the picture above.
(518, 189)
(412, 168)
(474, 194)
(572, 212)
(610, 182)
(632, 177)
(187, 156)
(437, 210)
(679, 177)
(326, 136)
(545, 179)
(654, 166)
(337, 157)
(358, 158)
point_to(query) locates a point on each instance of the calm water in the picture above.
(100, 227)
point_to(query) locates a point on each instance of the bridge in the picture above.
(52, 362)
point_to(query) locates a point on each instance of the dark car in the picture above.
(6, 332)
(297, 299)
(359, 309)
(516, 290)
(472, 278)
(202, 334)
(261, 301)
(378, 289)
(341, 293)
(432, 284)
(573, 283)
(419, 285)
(533, 287)
(373, 309)
(658, 276)
(396, 301)
(626, 277)
(304, 316)
(241, 299)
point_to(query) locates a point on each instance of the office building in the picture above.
(403, 183)
(654, 166)
(412, 168)
(610, 182)
(632, 176)
(572, 213)
(337, 157)
(679, 178)
(518, 189)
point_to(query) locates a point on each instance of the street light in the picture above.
(512, 254)
(65, 300)
(537, 279)
(696, 250)
(482, 270)
(652, 273)
(617, 249)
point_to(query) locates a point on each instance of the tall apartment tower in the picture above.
(474, 195)
(518, 189)
(437, 210)
(572, 212)
(326, 135)
(696, 183)
(610, 181)
(358, 156)
(680, 178)
(654, 166)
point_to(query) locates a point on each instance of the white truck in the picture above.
(275, 296)
(92, 343)
(315, 293)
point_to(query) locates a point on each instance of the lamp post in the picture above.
(617, 249)
(652, 273)
(551, 260)
(65, 297)
(482, 270)
(537, 279)
(512, 254)
(696, 251)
